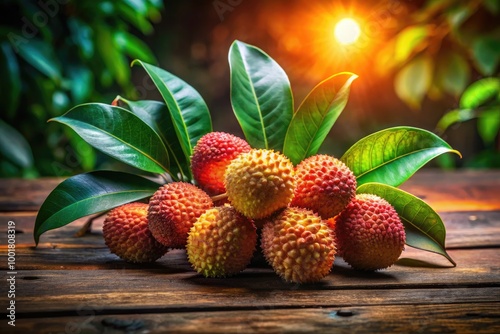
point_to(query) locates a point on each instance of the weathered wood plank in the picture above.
(462, 190)
(171, 284)
(149, 292)
(475, 266)
(25, 195)
(439, 318)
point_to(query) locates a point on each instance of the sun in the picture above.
(347, 31)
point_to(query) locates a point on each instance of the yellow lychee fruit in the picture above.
(299, 245)
(221, 242)
(260, 182)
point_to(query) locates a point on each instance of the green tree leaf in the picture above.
(452, 73)
(454, 116)
(41, 56)
(114, 60)
(119, 133)
(157, 116)
(130, 15)
(14, 147)
(414, 80)
(90, 193)
(316, 115)
(134, 46)
(486, 52)
(488, 124)
(480, 93)
(260, 95)
(410, 40)
(492, 5)
(188, 110)
(10, 85)
(423, 226)
(82, 82)
(393, 155)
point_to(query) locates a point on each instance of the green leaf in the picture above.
(10, 85)
(134, 47)
(41, 56)
(452, 73)
(157, 116)
(486, 52)
(82, 82)
(410, 40)
(454, 116)
(488, 124)
(260, 95)
(81, 34)
(188, 110)
(413, 80)
(393, 155)
(90, 193)
(316, 115)
(114, 60)
(14, 147)
(133, 17)
(480, 93)
(423, 226)
(456, 15)
(119, 133)
(85, 154)
(492, 5)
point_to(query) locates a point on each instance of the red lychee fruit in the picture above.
(173, 209)
(126, 234)
(211, 155)
(325, 185)
(369, 233)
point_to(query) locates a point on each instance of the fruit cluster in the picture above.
(306, 215)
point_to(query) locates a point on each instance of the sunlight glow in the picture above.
(347, 31)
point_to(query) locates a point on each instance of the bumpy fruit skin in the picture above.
(173, 209)
(126, 234)
(324, 184)
(221, 242)
(369, 233)
(260, 182)
(211, 155)
(299, 245)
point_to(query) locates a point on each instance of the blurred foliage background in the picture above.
(432, 64)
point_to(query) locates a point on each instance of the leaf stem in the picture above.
(219, 197)
(86, 228)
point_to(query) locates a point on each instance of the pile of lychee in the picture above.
(303, 215)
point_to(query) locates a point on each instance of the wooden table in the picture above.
(74, 285)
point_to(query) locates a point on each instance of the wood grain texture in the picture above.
(172, 284)
(442, 318)
(25, 195)
(70, 284)
(464, 190)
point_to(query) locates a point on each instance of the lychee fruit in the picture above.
(324, 184)
(299, 245)
(221, 242)
(126, 234)
(260, 182)
(369, 233)
(173, 209)
(211, 155)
